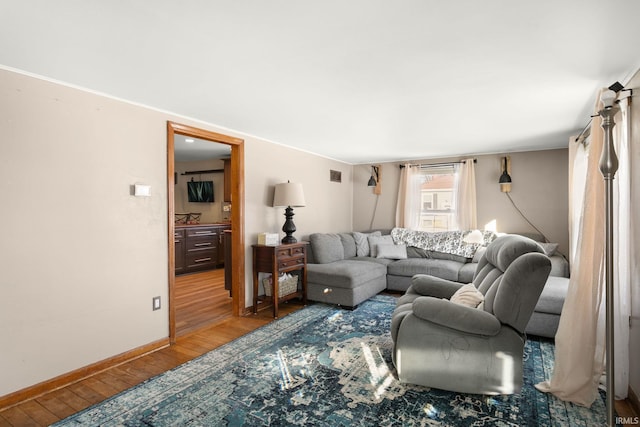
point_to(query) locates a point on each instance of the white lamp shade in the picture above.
(288, 194)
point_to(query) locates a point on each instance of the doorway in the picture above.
(237, 266)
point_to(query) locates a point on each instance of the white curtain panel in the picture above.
(578, 161)
(580, 340)
(465, 196)
(623, 248)
(408, 208)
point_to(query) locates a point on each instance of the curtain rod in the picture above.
(586, 131)
(426, 165)
(201, 172)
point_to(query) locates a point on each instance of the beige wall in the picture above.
(211, 212)
(81, 258)
(539, 190)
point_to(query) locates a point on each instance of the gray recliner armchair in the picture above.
(442, 344)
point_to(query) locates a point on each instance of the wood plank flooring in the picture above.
(200, 331)
(201, 300)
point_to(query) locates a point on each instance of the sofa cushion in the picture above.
(559, 265)
(327, 247)
(552, 297)
(479, 252)
(445, 269)
(451, 257)
(465, 275)
(362, 242)
(381, 261)
(348, 244)
(549, 248)
(413, 252)
(374, 241)
(345, 273)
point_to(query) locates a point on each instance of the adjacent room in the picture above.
(320, 213)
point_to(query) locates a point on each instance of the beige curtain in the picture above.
(578, 162)
(623, 246)
(580, 340)
(578, 358)
(408, 207)
(466, 213)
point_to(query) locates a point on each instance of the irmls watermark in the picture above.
(627, 420)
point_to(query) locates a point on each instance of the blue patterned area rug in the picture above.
(324, 366)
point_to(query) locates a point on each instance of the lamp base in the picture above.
(289, 227)
(288, 239)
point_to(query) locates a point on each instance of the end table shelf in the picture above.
(277, 260)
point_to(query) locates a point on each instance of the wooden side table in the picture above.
(278, 260)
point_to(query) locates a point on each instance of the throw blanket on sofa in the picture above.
(448, 242)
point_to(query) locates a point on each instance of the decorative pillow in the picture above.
(468, 295)
(362, 242)
(391, 251)
(374, 241)
(549, 248)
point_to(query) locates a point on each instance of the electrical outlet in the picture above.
(156, 303)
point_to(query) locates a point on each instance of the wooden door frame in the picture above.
(237, 215)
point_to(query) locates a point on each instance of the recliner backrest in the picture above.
(511, 275)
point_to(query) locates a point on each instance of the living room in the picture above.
(102, 252)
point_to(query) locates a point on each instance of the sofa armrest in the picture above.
(455, 316)
(433, 286)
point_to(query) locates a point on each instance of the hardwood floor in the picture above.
(192, 342)
(201, 300)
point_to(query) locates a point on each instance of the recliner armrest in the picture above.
(455, 316)
(433, 286)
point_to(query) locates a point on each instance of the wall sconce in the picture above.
(374, 181)
(505, 178)
(288, 195)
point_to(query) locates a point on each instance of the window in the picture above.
(437, 190)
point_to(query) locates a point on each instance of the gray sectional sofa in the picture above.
(349, 268)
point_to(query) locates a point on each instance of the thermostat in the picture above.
(141, 190)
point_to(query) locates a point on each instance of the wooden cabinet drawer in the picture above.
(292, 262)
(200, 259)
(290, 252)
(201, 231)
(202, 242)
(197, 247)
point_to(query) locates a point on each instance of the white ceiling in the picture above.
(186, 149)
(359, 80)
